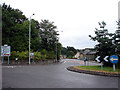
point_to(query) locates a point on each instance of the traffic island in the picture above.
(93, 72)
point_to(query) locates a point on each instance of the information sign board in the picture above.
(32, 55)
(5, 50)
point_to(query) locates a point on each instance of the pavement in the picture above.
(53, 76)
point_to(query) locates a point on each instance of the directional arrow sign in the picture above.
(97, 58)
(106, 58)
(114, 59)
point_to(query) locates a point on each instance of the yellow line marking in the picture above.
(112, 59)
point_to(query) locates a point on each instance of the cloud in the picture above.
(76, 18)
(78, 42)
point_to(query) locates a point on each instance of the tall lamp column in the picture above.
(29, 35)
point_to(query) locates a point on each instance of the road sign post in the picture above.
(113, 67)
(2, 59)
(8, 60)
(5, 51)
(105, 59)
(98, 60)
(32, 56)
(114, 59)
(102, 65)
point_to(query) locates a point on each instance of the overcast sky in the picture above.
(75, 19)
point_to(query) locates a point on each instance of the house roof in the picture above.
(88, 51)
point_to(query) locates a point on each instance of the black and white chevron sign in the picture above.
(106, 58)
(98, 59)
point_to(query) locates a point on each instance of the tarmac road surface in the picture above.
(53, 76)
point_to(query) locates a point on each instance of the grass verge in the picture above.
(98, 68)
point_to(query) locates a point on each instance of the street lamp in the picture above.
(29, 35)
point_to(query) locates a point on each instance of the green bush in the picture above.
(24, 55)
(13, 55)
(44, 52)
(51, 55)
(37, 56)
(43, 57)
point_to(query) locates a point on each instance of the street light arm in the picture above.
(32, 15)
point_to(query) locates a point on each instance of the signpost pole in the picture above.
(114, 59)
(102, 65)
(8, 59)
(113, 67)
(2, 59)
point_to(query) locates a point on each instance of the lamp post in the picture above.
(29, 35)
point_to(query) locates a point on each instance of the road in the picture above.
(54, 76)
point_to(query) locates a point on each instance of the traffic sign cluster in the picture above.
(113, 59)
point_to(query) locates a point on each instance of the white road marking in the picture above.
(10, 66)
(81, 62)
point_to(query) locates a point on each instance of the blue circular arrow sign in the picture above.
(114, 59)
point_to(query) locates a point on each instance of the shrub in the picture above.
(51, 55)
(13, 55)
(43, 57)
(44, 52)
(24, 55)
(37, 56)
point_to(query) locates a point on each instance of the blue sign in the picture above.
(114, 59)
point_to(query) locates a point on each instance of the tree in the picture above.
(59, 47)
(15, 30)
(35, 36)
(15, 33)
(63, 51)
(105, 46)
(48, 35)
(69, 51)
(12, 20)
(70, 54)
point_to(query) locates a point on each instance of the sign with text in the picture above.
(32, 55)
(5, 50)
